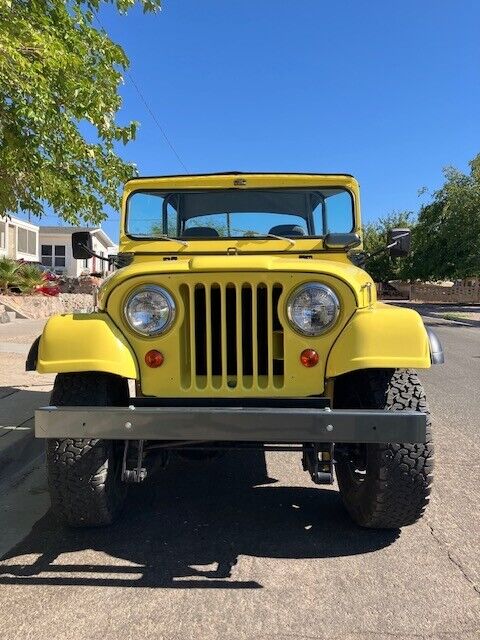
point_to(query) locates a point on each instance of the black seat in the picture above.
(200, 232)
(287, 230)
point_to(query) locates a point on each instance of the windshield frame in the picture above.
(236, 238)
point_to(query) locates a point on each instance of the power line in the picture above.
(150, 111)
(154, 118)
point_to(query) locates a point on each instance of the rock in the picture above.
(40, 306)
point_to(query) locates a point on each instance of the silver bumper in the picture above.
(230, 424)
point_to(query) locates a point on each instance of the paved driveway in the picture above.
(237, 549)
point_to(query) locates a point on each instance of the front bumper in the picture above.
(267, 424)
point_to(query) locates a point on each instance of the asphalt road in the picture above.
(239, 550)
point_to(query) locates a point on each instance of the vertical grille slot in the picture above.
(235, 335)
(200, 344)
(231, 330)
(262, 333)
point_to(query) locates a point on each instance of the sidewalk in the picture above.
(21, 393)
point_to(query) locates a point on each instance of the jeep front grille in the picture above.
(232, 336)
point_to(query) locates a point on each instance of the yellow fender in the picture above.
(85, 342)
(384, 337)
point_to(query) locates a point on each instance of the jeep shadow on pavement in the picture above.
(187, 528)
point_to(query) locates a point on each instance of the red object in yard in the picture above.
(49, 290)
(50, 277)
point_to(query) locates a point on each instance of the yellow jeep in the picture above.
(242, 313)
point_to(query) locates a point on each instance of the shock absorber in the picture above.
(317, 459)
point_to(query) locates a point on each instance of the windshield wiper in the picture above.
(270, 235)
(163, 236)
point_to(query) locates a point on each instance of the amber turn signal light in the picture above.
(309, 357)
(154, 358)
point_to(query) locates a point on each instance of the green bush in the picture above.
(29, 277)
(8, 273)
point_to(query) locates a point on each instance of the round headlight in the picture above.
(150, 310)
(312, 309)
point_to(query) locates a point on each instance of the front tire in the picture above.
(384, 486)
(84, 474)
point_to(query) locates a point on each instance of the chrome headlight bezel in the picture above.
(172, 310)
(300, 289)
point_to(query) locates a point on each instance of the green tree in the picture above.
(382, 267)
(59, 80)
(447, 237)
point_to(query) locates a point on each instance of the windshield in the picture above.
(288, 213)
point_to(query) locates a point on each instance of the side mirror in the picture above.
(82, 245)
(399, 242)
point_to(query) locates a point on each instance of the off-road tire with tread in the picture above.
(393, 488)
(84, 473)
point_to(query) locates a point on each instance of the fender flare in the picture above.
(82, 342)
(382, 337)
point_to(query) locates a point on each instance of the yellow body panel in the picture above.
(156, 269)
(85, 342)
(383, 336)
(175, 378)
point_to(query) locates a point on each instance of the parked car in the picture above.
(241, 310)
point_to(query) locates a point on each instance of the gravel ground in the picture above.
(12, 365)
(13, 374)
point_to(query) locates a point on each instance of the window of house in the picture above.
(26, 241)
(2, 235)
(53, 256)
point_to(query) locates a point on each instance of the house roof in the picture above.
(98, 231)
(18, 222)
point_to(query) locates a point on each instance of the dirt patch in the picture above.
(39, 306)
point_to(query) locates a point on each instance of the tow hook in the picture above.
(317, 459)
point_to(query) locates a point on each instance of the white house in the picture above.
(19, 239)
(56, 251)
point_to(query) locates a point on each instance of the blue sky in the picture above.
(389, 92)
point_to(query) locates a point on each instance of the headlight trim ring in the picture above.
(296, 292)
(170, 303)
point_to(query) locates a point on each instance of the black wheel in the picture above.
(384, 486)
(84, 475)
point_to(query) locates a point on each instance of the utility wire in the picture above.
(150, 111)
(154, 118)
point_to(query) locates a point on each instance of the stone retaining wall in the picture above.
(40, 306)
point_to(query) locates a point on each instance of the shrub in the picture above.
(29, 278)
(8, 273)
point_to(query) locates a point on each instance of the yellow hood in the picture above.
(142, 266)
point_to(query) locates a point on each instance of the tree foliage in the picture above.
(447, 236)
(59, 81)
